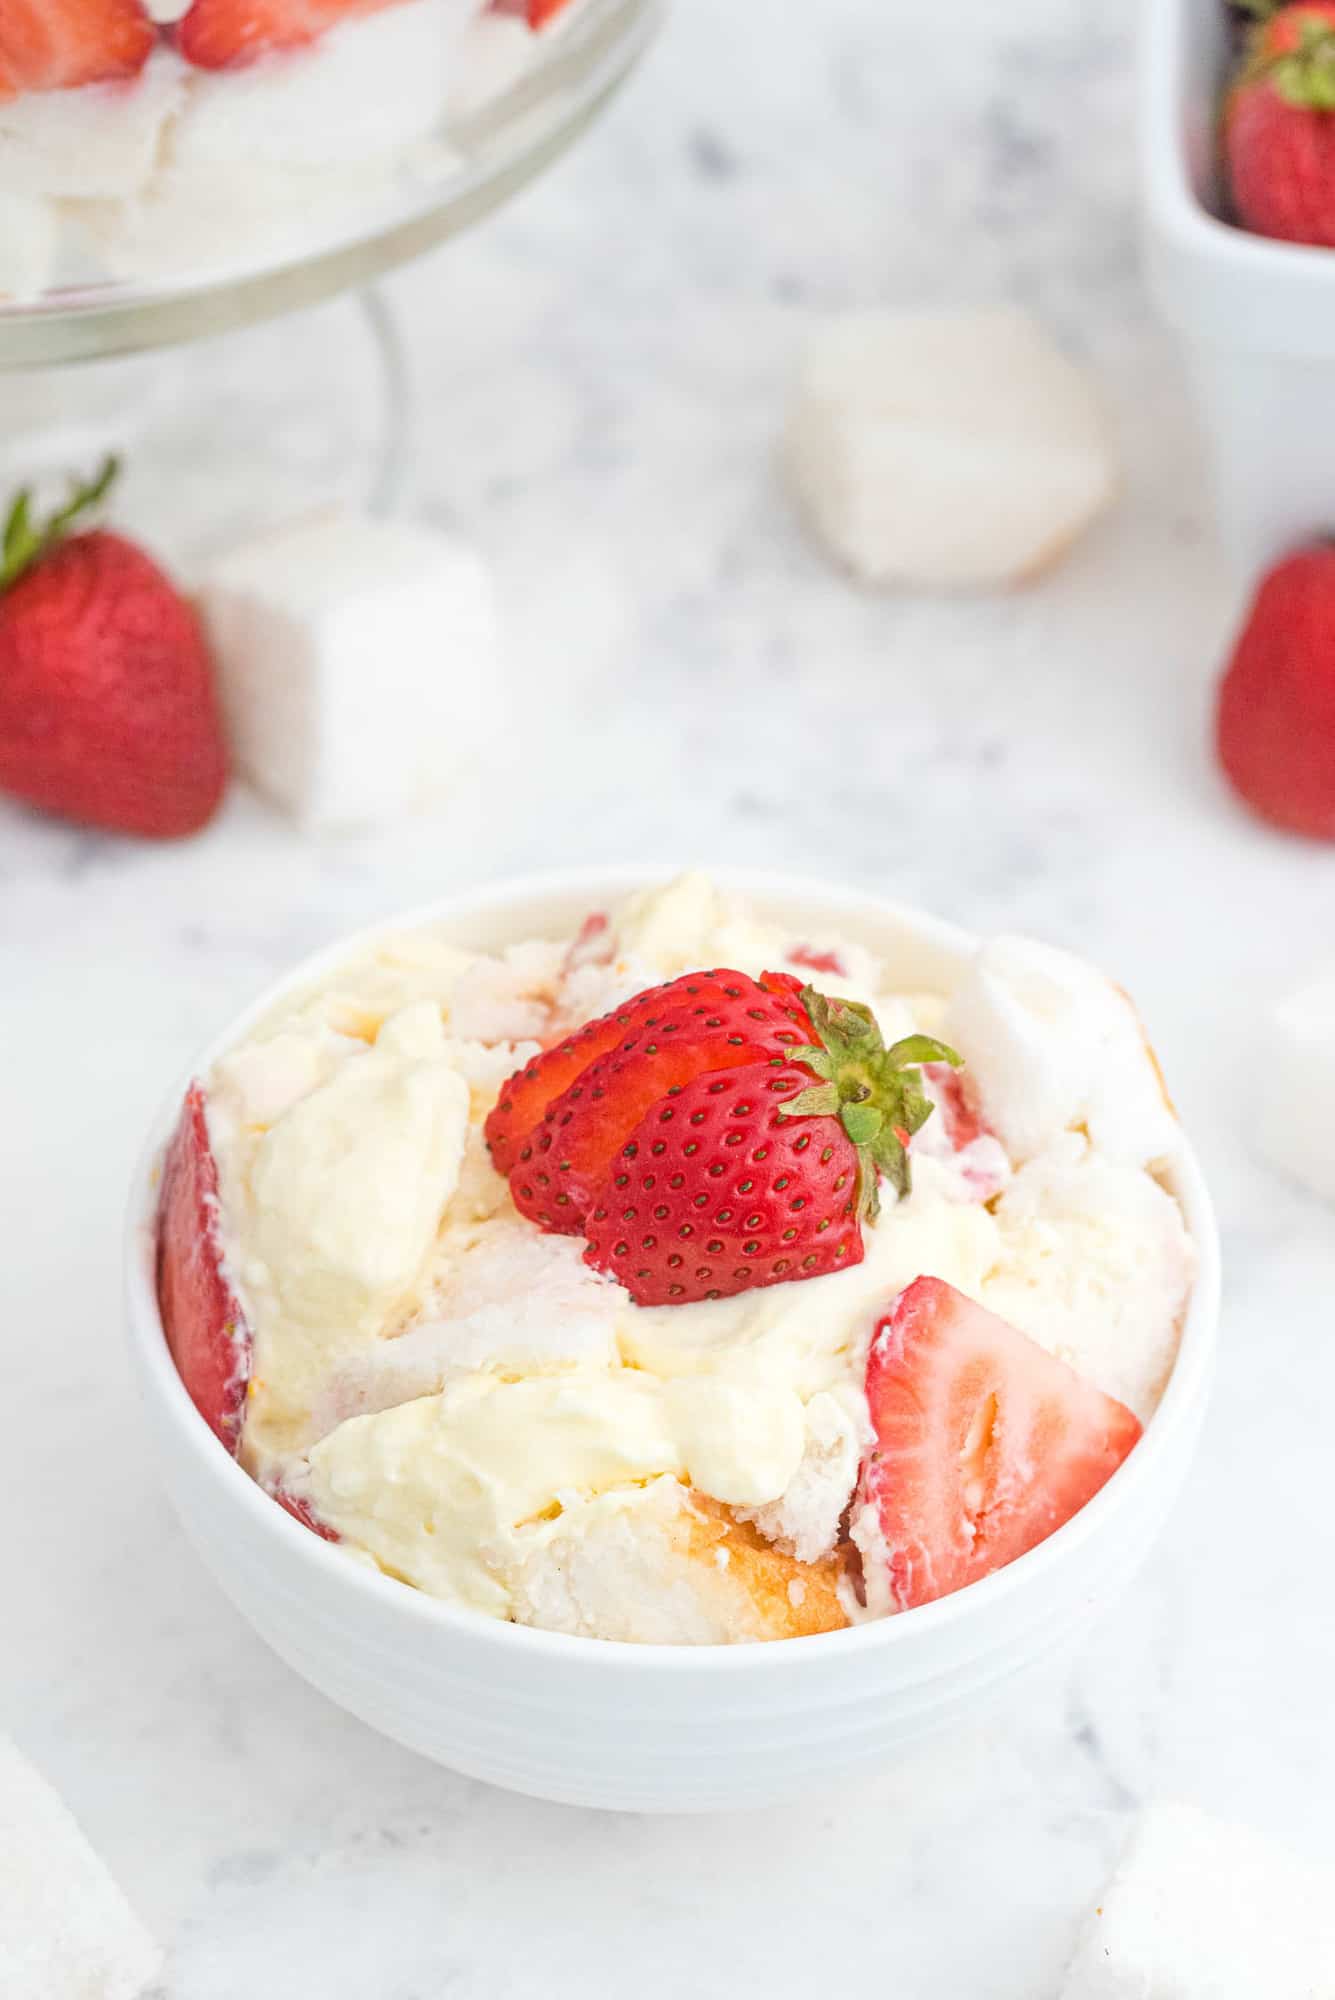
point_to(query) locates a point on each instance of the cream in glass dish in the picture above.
(142, 142)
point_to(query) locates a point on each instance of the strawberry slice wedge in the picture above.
(716, 1192)
(60, 44)
(228, 34)
(712, 1021)
(205, 1327)
(985, 1444)
(699, 1004)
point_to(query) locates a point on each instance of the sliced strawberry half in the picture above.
(528, 1095)
(985, 1444)
(205, 1327)
(717, 1192)
(60, 44)
(714, 1021)
(228, 34)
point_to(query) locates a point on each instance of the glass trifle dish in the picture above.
(690, 1279)
(150, 141)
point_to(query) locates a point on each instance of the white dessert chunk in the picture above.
(1095, 1264)
(1295, 1106)
(29, 245)
(1199, 1909)
(804, 1520)
(101, 141)
(656, 1564)
(358, 664)
(1051, 1045)
(946, 449)
(66, 1931)
(347, 1190)
(496, 51)
(512, 1302)
(367, 87)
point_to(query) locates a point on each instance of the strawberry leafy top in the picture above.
(27, 539)
(874, 1091)
(1292, 49)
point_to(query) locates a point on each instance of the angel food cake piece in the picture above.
(693, 1280)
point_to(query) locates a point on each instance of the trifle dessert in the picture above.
(150, 138)
(690, 1279)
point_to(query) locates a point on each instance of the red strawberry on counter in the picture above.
(1279, 126)
(228, 34)
(59, 44)
(714, 1134)
(1275, 726)
(205, 1326)
(108, 713)
(985, 1445)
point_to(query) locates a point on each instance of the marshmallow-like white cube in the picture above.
(1199, 1909)
(358, 664)
(1295, 1108)
(29, 245)
(99, 142)
(1052, 1047)
(66, 1931)
(946, 449)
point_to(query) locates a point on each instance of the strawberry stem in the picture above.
(874, 1091)
(26, 540)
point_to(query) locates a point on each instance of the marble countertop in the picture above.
(601, 375)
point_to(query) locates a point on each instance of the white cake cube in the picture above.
(1295, 1109)
(99, 142)
(66, 1931)
(946, 449)
(1202, 1910)
(358, 664)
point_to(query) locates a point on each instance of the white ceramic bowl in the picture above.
(1256, 317)
(652, 1728)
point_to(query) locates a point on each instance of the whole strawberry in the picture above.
(1276, 719)
(1279, 126)
(108, 713)
(714, 1135)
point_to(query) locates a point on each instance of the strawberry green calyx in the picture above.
(1299, 64)
(26, 540)
(874, 1091)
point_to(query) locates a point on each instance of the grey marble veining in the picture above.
(602, 373)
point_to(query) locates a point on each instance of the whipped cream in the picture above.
(463, 1400)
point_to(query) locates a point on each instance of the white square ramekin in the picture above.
(652, 1728)
(1256, 317)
